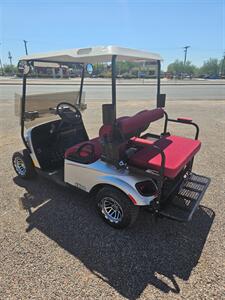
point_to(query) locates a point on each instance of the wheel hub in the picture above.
(111, 210)
(20, 166)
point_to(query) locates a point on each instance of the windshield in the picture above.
(40, 107)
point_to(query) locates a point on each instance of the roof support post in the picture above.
(158, 79)
(114, 83)
(81, 84)
(22, 109)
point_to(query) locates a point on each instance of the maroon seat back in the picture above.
(114, 138)
(128, 127)
(138, 123)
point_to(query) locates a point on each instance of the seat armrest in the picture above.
(184, 120)
(163, 158)
(180, 120)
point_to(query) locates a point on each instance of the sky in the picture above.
(163, 26)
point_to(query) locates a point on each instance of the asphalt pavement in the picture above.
(125, 92)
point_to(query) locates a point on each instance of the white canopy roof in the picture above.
(94, 55)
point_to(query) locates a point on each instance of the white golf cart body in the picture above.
(107, 170)
(89, 176)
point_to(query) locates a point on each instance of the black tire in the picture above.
(23, 164)
(129, 211)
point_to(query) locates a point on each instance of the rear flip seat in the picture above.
(178, 152)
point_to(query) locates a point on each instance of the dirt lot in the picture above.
(62, 250)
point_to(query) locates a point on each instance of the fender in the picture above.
(127, 189)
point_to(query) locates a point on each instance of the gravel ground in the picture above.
(60, 249)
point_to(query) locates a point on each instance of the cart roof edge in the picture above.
(94, 55)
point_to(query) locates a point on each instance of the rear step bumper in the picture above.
(183, 205)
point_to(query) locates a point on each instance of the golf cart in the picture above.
(124, 167)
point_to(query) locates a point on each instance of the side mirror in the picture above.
(89, 68)
(24, 67)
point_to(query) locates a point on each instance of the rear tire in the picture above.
(23, 164)
(115, 208)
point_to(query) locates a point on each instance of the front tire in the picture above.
(23, 164)
(115, 208)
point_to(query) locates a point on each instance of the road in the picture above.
(138, 92)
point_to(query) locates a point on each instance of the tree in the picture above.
(222, 67)
(210, 67)
(178, 67)
(124, 69)
(9, 69)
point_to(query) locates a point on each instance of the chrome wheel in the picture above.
(20, 166)
(111, 209)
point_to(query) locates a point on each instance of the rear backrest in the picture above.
(108, 130)
(127, 127)
(114, 138)
(135, 125)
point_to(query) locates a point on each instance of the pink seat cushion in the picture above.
(178, 152)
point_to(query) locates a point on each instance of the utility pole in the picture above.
(10, 57)
(185, 53)
(25, 46)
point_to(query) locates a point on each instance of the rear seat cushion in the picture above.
(178, 152)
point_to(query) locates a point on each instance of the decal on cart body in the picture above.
(80, 186)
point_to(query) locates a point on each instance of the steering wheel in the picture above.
(69, 113)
